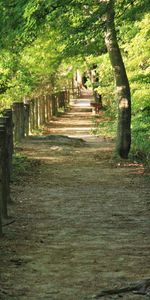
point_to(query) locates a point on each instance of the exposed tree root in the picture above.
(9, 223)
(137, 287)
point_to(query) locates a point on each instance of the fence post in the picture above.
(49, 107)
(63, 100)
(31, 115)
(43, 110)
(35, 113)
(9, 128)
(39, 112)
(5, 121)
(18, 119)
(59, 100)
(26, 118)
(8, 113)
(54, 105)
(46, 104)
(2, 139)
(5, 192)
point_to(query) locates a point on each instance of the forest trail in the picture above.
(81, 220)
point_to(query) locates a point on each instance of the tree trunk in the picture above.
(122, 84)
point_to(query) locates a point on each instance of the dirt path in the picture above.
(82, 221)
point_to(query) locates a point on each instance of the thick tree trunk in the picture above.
(122, 84)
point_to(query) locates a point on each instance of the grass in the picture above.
(106, 126)
(22, 166)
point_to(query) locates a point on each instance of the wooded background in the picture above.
(43, 43)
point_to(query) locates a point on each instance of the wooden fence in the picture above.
(17, 123)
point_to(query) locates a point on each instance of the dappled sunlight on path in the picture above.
(77, 122)
(82, 219)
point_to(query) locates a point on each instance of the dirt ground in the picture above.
(81, 220)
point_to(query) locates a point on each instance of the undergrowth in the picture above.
(141, 136)
(22, 166)
(106, 126)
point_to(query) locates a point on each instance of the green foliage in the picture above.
(11, 24)
(23, 166)
(44, 42)
(15, 80)
(20, 164)
(105, 127)
(135, 42)
(138, 65)
(33, 69)
(106, 82)
(141, 134)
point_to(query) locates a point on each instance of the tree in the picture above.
(82, 27)
(80, 24)
(102, 15)
(122, 84)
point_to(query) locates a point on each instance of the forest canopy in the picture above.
(42, 43)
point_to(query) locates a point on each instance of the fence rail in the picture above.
(17, 123)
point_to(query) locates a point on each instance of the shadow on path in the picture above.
(82, 220)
